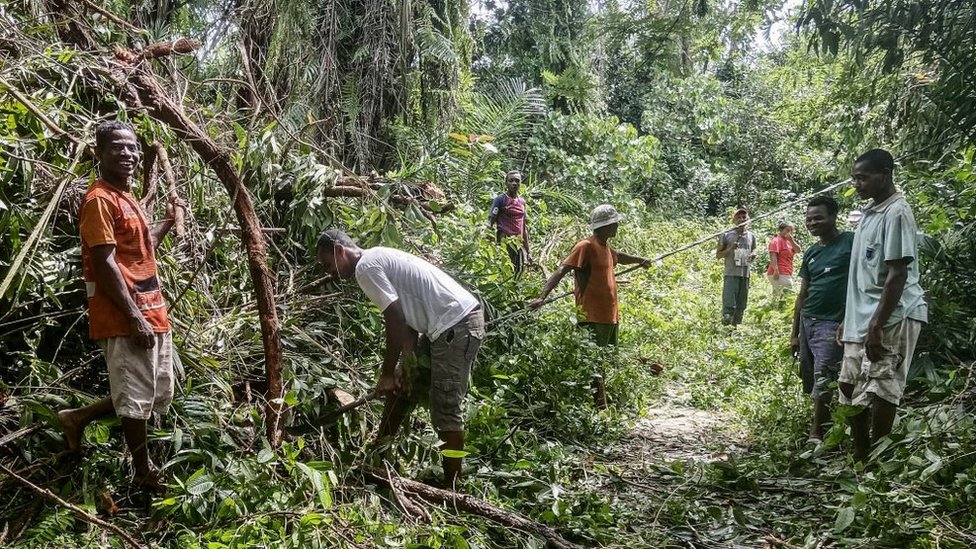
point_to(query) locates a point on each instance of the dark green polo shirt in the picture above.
(825, 269)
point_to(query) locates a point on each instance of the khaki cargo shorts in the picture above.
(444, 370)
(141, 380)
(884, 379)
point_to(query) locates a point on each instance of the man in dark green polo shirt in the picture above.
(819, 307)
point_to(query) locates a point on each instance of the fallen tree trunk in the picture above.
(139, 87)
(473, 505)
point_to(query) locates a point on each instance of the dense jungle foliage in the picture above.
(396, 121)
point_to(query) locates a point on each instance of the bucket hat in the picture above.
(604, 215)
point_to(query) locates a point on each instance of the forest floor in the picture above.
(670, 471)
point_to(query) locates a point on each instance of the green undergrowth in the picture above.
(763, 479)
(536, 445)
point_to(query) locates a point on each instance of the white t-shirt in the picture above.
(431, 300)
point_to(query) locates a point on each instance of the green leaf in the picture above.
(199, 485)
(97, 432)
(454, 453)
(845, 517)
(321, 487)
(739, 516)
(265, 455)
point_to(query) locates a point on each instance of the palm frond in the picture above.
(507, 112)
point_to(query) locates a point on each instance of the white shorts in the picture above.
(786, 281)
(140, 380)
(884, 379)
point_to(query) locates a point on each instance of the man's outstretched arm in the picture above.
(551, 284)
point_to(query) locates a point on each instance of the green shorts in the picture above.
(603, 334)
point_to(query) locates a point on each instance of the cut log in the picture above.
(341, 397)
(473, 505)
(344, 190)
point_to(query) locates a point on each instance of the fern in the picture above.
(45, 531)
(350, 100)
(433, 44)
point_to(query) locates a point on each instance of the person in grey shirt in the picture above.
(737, 246)
(885, 304)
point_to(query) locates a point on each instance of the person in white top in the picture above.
(417, 300)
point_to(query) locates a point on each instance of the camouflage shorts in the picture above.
(443, 370)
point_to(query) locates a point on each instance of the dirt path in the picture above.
(657, 473)
(672, 431)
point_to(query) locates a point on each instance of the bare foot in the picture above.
(72, 432)
(153, 481)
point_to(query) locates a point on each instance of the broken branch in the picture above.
(20, 433)
(77, 511)
(473, 505)
(42, 117)
(163, 157)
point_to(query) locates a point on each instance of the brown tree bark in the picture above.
(257, 22)
(171, 191)
(67, 16)
(150, 173)
(139, 87)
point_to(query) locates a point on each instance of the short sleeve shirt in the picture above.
(596, 286)
(825, 268)
(738, 266)
(784, 255)
(112, 216)
(509, 214)
(432, 301)
(886, 232)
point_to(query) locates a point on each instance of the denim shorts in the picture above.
(820, 357)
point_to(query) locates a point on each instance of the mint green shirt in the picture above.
(887, 232)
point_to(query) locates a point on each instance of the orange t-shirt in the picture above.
(112, 216)
(596, 286)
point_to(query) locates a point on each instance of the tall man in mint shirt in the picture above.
(885, 304)
(819, 307)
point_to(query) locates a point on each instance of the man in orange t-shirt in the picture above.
(592, 261)
(126, 311)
